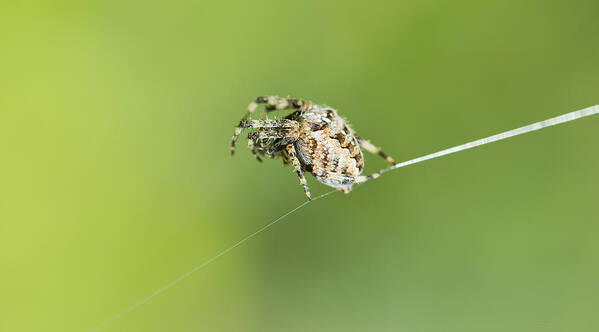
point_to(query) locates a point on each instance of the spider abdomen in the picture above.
(335, 159)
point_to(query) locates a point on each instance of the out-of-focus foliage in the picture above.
(116, 178)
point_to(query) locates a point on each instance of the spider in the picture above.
(313, 138)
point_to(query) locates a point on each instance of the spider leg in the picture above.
(372, 176)
(272, 103)
(285, 129)
(275, 103)
(251, 108)
(298, 169)
(375, 150)
(253, 149)
(269, 124)
(284, 157)
(363, 178)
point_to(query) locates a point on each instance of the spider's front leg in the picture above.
(269, 124)
(272, 104)
(298, 169)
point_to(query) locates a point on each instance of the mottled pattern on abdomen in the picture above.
(336, 159)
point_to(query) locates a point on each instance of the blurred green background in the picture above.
(116, 178)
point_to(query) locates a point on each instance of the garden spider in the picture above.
(313, 138)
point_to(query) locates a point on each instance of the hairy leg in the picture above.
(269, 124)
(298, 169)
(375, 150)
(364, 178)
(253, 149)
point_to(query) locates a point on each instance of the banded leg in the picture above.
(375, 150)
(275, 103)
(269, 124)
(298, 169)
(272, 104)
(364, 178)
(253, 149)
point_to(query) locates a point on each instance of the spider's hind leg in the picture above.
(375, 150)
(364, 178)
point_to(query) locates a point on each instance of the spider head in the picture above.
(261, 142)
(269, 141)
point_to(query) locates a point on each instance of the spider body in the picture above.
(313, 138)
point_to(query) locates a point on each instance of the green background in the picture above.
(116, 178)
